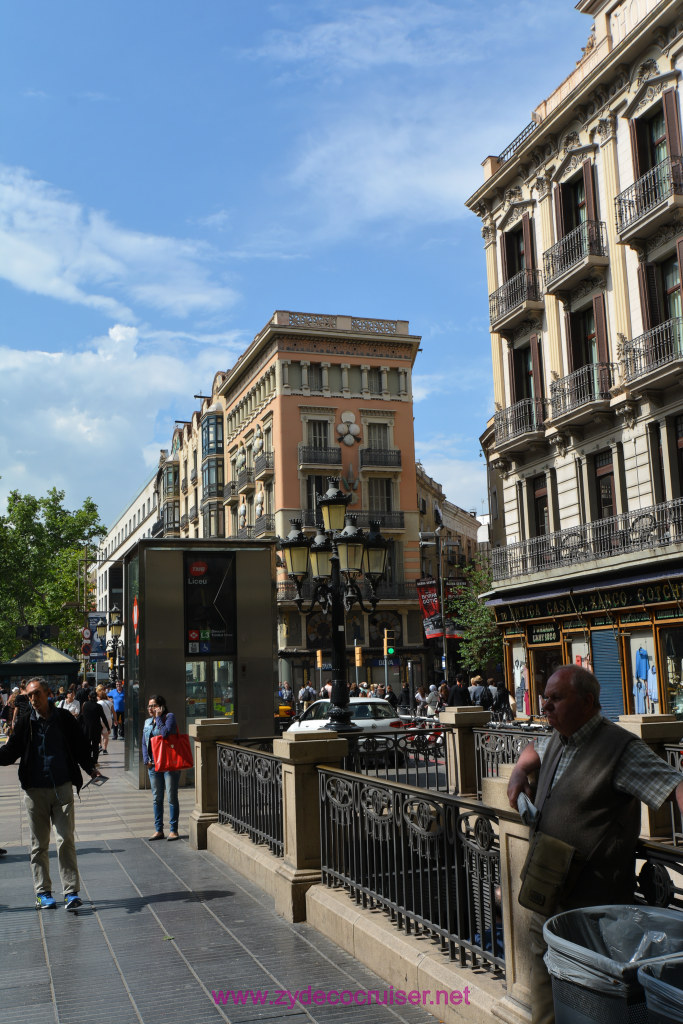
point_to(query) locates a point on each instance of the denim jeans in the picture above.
(168, 781)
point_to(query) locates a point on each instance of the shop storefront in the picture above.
(629, 633)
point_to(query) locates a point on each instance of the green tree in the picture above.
(482, 642)
(41, 543)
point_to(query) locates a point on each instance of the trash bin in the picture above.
(594, 955)
(662, 982)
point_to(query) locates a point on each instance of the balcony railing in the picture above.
(245, 532)
(363, 517)
(230, 491)
(587, 384)
(245, 478)
(183, 484)
(250, 795)
(184, 521)
(659, 184)
(523, 287)
(388, 457)
(319, 456)
(158, 528)
(194, 514)
(656, 526)
(193, 476)
(264, 524)
(404, 590)
(654, 349)
(523, 417)
(517, 142)
(588, 239)
(264, 463)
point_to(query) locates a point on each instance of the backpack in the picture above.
(485, 699)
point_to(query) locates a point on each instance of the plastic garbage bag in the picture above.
(601, 948)
(663, 984)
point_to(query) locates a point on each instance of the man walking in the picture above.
(50, 747)
(593, 776)
(119, 698)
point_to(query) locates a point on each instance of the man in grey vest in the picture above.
(592, 777)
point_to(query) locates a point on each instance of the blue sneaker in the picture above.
(45, 901)
(73, 901)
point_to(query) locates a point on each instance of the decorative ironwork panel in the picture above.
(250, 792)
(664, 180)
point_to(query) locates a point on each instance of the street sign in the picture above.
(136, 614)
(85, 633)
(443, 661)
(86, 648)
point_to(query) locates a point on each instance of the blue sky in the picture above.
(172, 173)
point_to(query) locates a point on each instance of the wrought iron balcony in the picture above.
(519, 295)
(577, 393)
(387, 520)
(641, 207)
(655, 355)
(518, 421)
(654, 527)
(183, 484)
(264, 524)
(194, 514)
(245, 480)
(312, 455)
(230, 493)
(385, 457)
(193, 476)
(245, 532)
(517, 142)
(264, 464)
(403, 590)
(184, 521)
(158, 528)
(565, 263)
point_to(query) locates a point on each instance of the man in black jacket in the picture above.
(50, 747)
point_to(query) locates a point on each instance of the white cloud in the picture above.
(463, 480)
(52, 245)
(93, 418)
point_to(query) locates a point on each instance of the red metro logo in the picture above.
(197, 571)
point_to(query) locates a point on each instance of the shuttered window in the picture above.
(607, 668)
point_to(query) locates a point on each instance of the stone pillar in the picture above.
(655, 730)
(514, 845)
(607, 135)
(462, 772)
(489, 235)
(206, 732)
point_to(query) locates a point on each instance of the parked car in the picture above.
(367, 713)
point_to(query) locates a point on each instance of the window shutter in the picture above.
(511, 374)
(571, 361)
(504, 255)
(679, 253)
(639, 154)
(591, 213)
(649, 295)
(529, 260)
(672, 121)
(601, 328)
(559, 212)
(536, 372)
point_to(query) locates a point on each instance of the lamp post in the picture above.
(339, 554)
(115, 627)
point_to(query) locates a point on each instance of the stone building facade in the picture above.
(582, 223)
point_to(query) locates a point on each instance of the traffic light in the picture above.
(358, 653)
(319, 659)
(389, 648)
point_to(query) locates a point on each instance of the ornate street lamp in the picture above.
(338, 555)
(115, 627)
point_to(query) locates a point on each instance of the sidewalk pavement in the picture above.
(162, 927)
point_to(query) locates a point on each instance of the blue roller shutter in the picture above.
(608, 670)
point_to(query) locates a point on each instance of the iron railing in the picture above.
(194, 513)
(406, 590)
(430, 860)
(525, 417)
(193, 476)
(659, 879)
(319, 456)
(183, 484)
(517, 142)
(245, 532)
(664, 180)
(655, 526)
(674, 755)
(415, 756)
(526, 286)
(657, 347)
(184, 521)
(250, 794)
(158, 528)
(363, 518)
(588, 239)
(380, 457)
(264, 462)
(496, 744)
(245, 478)
(230, 490)
(589, 383)
(264, 524)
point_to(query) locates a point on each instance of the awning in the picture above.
(674, 575)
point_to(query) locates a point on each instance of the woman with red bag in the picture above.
(161, 723)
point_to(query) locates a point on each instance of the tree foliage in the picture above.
(41, 543)
(482, 643)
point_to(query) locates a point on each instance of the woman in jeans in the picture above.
(161, 722)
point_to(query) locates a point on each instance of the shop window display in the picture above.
(643, 679)
(546, 661)
(520, 679)
(671, 647)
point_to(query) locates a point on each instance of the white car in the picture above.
(367, 713)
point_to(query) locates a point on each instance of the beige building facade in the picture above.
(582, 221)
